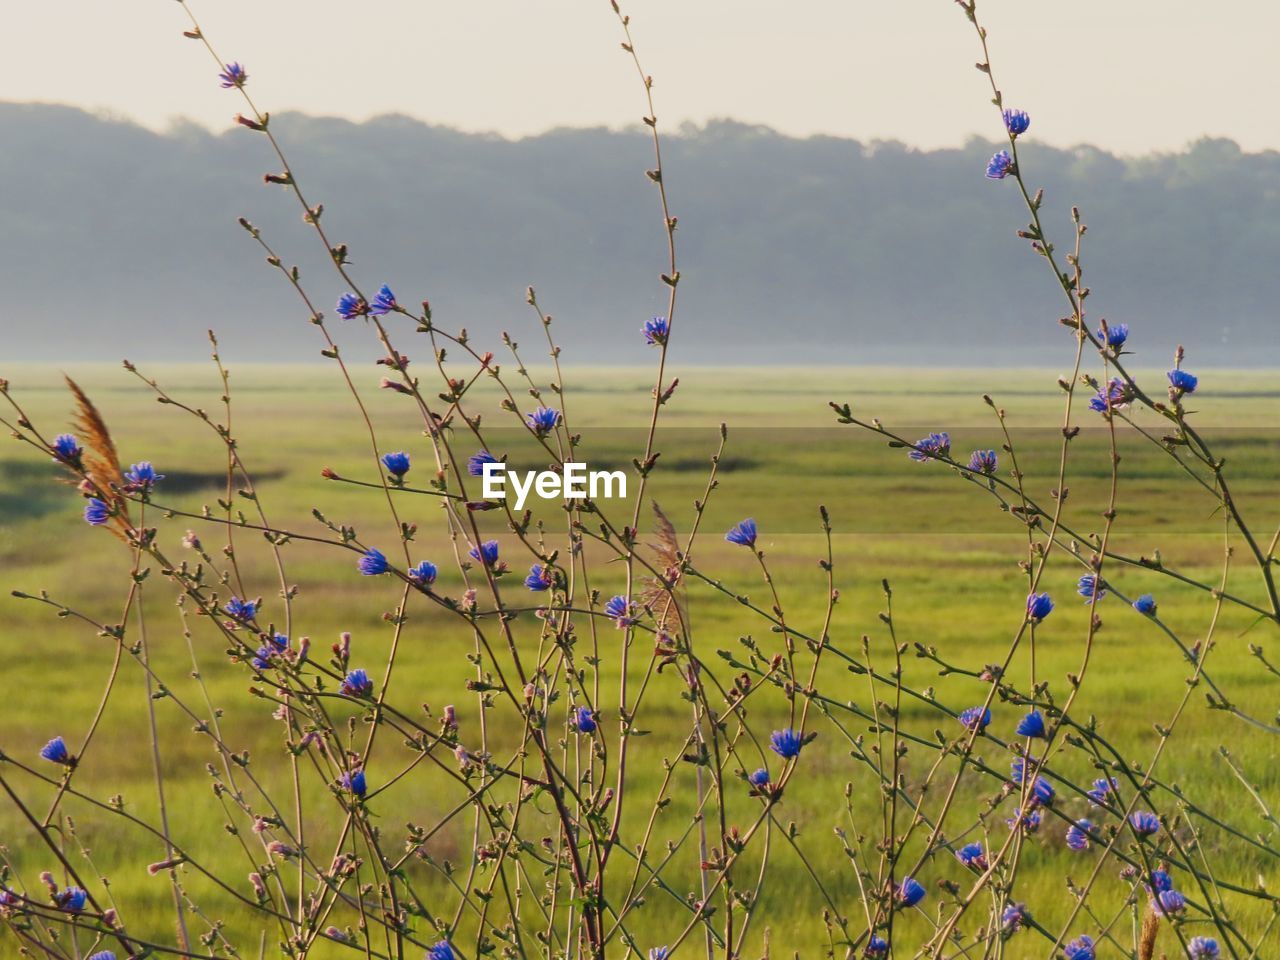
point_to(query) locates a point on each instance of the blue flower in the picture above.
(55, 751)
(1183, 382)
(786, 743)
(1114, 335)
(1090, 586)
(441, 951)
(1014, 916)
(1160, 881)
(1016, 122)
(758, 778)
(66, 447)
(743, 534)
(618, 609)
(971, 855)
(975, 718)
(397, 464)
(910, 892)
(1030, 822)
(1144, 823)
(1078, 835)
(349, 306)
(1115, 396)
(1102, 789)
(102, 955)
(1041, 790)
(877, 946)
(1039, 606)
(232, 75)
(1032, 725)
(539, 578)
(1000, 165)
(983, 461)
(1145, 604)
(384, 302)
(656, 330)
(1081, 948)
(933, 446)
(96, 512)
(142, 476)
(1169, 902)
(239, 609)
(372, 563)
(73, 899)
(276, 644)
(475, 464)
(584, 721)
(659, 953)
(424, 574)
(354, 783)
(543, 420)
(1202, 948)
(486, 553)
(357, 684)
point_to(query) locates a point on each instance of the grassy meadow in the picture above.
(948, 551)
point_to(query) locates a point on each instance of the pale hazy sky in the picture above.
(1127, 75)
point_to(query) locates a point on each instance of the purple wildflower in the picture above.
(55, 751)
(619, 610)
(931, 447)
(1032, 725)
(96, 512)
(1091, 587)
(910, 892)
(1081, 948)
(372, 563)
(357, 684)
(66, 448)
(1039, 606)
(424, 574)
(1000, 166)
(1078, 835)
(233, 75)
(354, 783)
(1182, 382)
(242, 610)
(743, 534)
(975, 718)
(1014, 916)
(1016, 122)
(983, 461)
(656, 331)
(1115, 396)
(350, 306)
(1202, 948)
(971, 855)
(1144, 823)
(584, 720)
(543, 420)
(539, 578)
(475, 464)
(1146, 605)
(383, 302)
(397, 464)
(786, 743)
(1102, 790)
(486, 553)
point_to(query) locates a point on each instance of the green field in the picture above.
(949, 552)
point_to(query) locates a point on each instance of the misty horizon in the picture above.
(796, 250)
